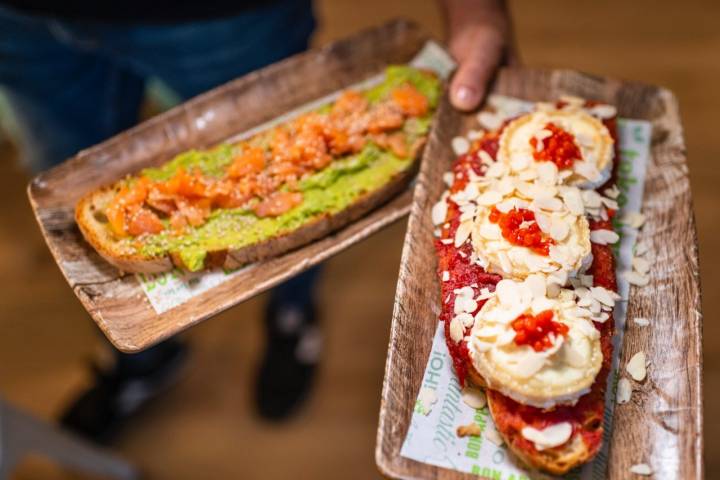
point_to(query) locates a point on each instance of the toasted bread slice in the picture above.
(557, 460)
(94, 226)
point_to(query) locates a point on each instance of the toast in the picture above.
(271, 193)
(93, 225)
(528, 277)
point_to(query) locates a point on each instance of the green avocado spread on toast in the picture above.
(327, 191)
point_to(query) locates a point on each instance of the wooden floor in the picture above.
(205, 427)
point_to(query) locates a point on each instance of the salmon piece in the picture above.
(250, 161)
(185, 184)
(394, 142)
(194, 212)
(115, 213)
(144, 221)
(410, 101)
(385, 117)
(349, 102)
(277, 204)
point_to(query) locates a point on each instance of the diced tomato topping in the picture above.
(250, 161)
(410, 101)
(535, 330)
(559, 148)
(277, 204)
(260, 170)
(518, 226)
(144, 221)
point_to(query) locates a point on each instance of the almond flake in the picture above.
(457, 330)
(445, 276)
(448, 178)
(489, 197)
(460, 145)
(612, 192)
(474, 398)
(641, 248)
(462, 233)
(427, 398)
(492, 434)
(439, 211)
(624, 391)
(603, 111)
(486, 158)
(641, 322)
(633, 219)
(641, 265)
(641, 469)
(636, 367)
(475, 134)
(604, 237)
(549, 437)
(489, 121)
(635, 278)
(559, 230)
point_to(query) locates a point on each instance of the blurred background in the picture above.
(204, 427)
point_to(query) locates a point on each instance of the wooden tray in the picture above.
(663, 423)
(116, 301)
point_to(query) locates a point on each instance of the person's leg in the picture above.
(192, 58)
(66, 95)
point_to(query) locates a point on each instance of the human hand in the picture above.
(480, 41)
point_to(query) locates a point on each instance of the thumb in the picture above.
(479, 58)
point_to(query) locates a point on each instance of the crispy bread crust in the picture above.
(557, 460)
(89, 217)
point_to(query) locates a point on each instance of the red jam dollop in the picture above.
(559, 148)
(535, 330)
(518, 226)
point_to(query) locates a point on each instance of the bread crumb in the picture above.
(472, 429)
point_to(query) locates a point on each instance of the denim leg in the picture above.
(64, 95)
(194, 57)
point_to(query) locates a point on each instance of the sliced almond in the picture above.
(636, 278)
(624, 391)
(489, 121)
(474, 398)
(636, 367)
(641, 469)
(549, 437)
(463, 233)
(604, 237)
(641, 322)
(457, 330)
(460, 145)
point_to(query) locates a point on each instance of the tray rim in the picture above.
(388, 212)
(386, 464)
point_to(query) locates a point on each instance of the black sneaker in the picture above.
(118, 393)
(287, 371)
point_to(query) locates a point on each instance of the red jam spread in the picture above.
(586, 416)
(559, 148)
(519, 227)
(535, 330)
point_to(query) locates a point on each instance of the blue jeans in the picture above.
(73, 84)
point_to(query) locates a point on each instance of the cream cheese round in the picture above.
(591, 136)
(557, 375)
(559, 215)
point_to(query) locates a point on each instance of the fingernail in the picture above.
(465, 97)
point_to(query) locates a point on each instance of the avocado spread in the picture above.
(327, 191)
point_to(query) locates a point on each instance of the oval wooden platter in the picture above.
(662, 424)
(115, 300)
